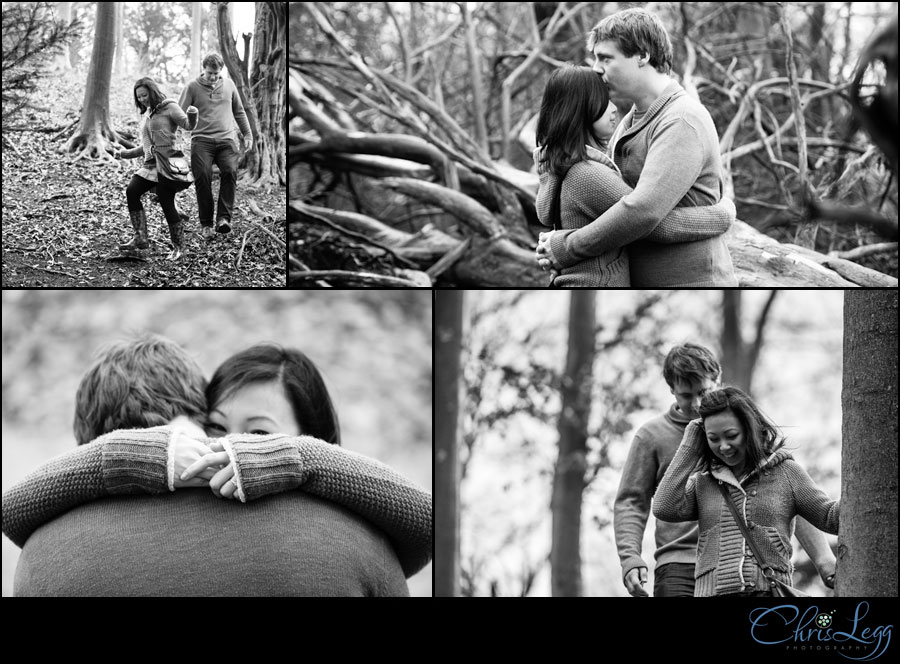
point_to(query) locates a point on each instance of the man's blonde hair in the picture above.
(636, 31)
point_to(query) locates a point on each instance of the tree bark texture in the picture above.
(448, 346)
(94, 130)
(266, 164)
(867, 542)
(568, 479)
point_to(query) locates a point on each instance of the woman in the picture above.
(161, 118)
(737, 446)
(283, 434)
(576, 122)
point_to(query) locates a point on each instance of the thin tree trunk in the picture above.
(478, 105)
(867, 542)
(120, 37)
(448, 345)
(568, 479)
(196, 38)
(64, 14)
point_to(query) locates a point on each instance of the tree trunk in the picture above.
(64, 13)
(120, 37)
(232, 60)
(478, 105)
(448, 346)
(266, 162)
(867, 541)
(196, 39)
(94, 131)
(739, 355)
(568, 479)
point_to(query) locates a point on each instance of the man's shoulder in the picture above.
(656, 427)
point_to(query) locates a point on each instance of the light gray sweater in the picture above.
(671, 158)
(593, 186)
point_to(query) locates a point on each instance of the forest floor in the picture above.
(61, 221)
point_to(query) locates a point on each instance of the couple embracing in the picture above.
(638, 204)
(208, 108)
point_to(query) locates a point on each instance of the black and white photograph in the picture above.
(667, 443)
(144, 144)
(219, 444)
(593, 144)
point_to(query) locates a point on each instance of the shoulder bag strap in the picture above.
(556, 207)
(740, 522)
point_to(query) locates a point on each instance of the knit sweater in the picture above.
(136, 461)
(649, 457)
(671, 158)
(768, 499)
(158, 129)
(220, 106)
(190, 543)
(593, 186)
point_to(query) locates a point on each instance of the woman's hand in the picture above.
(189, 447)
(543, 255)
(222, 480)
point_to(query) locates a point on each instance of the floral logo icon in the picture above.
(823, 621)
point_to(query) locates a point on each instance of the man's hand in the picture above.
(189, 441)
(216, 462)
(248, 142)
(543, 255)
(635, 580)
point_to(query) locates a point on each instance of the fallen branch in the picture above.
(351, 278)
(863, 252)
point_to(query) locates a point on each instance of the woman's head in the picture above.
(270, 389)
(737, 432)
(147, 94)
(575, 111)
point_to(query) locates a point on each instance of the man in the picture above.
(185, 542)
(214, 140)
(690, 371)
(667, 149)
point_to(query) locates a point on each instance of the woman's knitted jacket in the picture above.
(593, 186)
(158, 128)
(137, 461)
(768, 499)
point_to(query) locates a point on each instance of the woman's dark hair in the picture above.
(301, 380)
(153, 92)
(761, 435)
(574, 99)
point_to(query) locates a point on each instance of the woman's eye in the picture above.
(212, 427)
(259, 432)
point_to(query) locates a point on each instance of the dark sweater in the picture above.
(651, 452)
(190, 543)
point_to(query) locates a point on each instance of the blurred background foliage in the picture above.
(513, 356)
(373, 348)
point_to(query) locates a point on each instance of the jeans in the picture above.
(674, 580)
(165, 191)
(204, 153)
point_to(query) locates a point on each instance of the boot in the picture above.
(176, 231)
(140, 242)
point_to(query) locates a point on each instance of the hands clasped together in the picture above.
(543, 255)
(201, 461)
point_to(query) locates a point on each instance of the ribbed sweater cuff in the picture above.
(266, 464)
(630, 563)
(559, 250)
(136, 459)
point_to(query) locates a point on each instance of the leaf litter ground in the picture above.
(61, 220)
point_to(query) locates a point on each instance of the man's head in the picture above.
(630, 47)
(212, 67)
(135, 384)
(690, 372)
